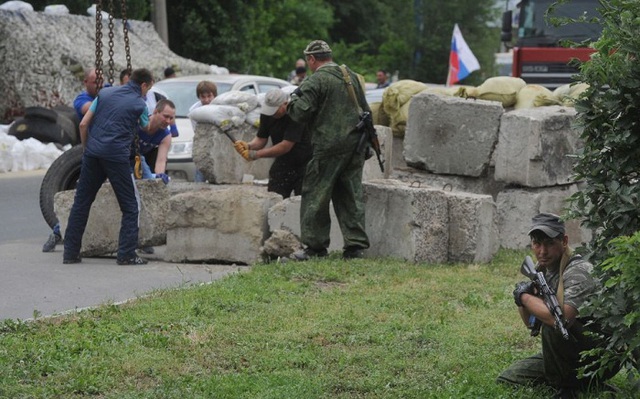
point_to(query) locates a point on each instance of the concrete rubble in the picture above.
(481, 199)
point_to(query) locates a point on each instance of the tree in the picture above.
(609, 166)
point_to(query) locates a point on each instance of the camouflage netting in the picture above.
(43, 57)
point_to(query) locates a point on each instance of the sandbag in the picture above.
(253, 118)
(569, 93)
(245, 101)
(443, 90)
(399, 119)
(532, 96)
(223, 116)
(6, 144)
(503, 89)
(399, 93)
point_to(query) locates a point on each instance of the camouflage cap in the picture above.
(548, 223)
(317, 47)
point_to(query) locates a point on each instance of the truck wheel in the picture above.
(42, 130)
(62, 175)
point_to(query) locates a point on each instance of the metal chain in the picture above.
(125, 30)
(111, 63)
(99, 77)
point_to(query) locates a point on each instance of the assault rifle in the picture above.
(369, 136)
(547, 295)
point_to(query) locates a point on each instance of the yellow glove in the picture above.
(241, 146)
(249, 155)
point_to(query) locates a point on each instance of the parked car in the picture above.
(182, 91)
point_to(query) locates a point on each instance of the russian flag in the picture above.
(461, 60)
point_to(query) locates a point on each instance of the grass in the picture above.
(319, 329)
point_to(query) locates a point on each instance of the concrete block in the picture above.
(516, 207)
(227, 224)
(451, 135)
(103, 227)
(534, 146)
(371, 169)
(285, 215)
(214, 155)
(406, 222)
(473, 227)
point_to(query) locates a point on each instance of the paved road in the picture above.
(36, 283)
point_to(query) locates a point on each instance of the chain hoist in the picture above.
(99, 53)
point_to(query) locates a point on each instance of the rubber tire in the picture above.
(62, 175)
(66, 114)
(39, 129)
(37, 112)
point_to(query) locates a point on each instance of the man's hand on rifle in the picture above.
(523, 287)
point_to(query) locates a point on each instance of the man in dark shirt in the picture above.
(291, 145)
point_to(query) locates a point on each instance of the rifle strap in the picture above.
(567, 258)
(349, 83)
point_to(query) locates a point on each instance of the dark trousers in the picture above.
(94, 172)
(285, 178)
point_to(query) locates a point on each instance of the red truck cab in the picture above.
(539, 56)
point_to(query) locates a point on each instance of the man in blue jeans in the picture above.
(106, 133)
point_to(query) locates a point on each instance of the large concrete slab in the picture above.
(535, 146)
(451, 135)
(103, 227)
(226, 224)
(516, 207)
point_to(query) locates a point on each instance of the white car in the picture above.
(182, 91)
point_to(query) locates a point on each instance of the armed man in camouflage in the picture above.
(557, 364)
(324, 104)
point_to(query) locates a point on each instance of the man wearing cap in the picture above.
(570, 277)
(323, 102)
(291, 145)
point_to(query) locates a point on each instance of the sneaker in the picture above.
(308, 253)
(136, 260)
(353, 253)
(71, 260)
(147, 250)
(53, 240)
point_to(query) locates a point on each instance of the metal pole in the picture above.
(159, 16)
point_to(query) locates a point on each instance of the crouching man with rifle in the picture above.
(548, 304)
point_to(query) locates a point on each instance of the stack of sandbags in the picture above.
(395, 103)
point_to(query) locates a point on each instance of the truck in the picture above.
(539, 56)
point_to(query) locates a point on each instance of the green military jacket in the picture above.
(323, 103)
(579, 284)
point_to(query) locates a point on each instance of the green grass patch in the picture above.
(319, 329)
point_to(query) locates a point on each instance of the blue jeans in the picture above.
(93, 173)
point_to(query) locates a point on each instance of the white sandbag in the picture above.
(31, 154)
(247, 102)
(503, 89)
(569, 93)
(56, 9)
(253, 118)
(6, 158)
(223, 116)
(532, 96)
(16, 6)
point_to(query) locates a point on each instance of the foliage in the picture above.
(319, 329)
(617, 309)
(609, 165)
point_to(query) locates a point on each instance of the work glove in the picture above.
(240, 146)
(523, 287)
(165, 178)
(249, 155)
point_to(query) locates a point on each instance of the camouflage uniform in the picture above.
(335, 171)
(556, 365)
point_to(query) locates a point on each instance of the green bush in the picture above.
(609, 165)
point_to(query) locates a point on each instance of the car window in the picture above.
(265, 87)
(250, 88)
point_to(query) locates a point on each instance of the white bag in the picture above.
(247, 102)
(223, 116)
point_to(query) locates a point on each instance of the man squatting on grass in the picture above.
(570, 277)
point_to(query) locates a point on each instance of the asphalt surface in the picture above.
(37, 284)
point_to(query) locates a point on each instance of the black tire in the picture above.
(40, 113)
(66, 114)
(62, 175)
(40, 129)
(70, 129)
